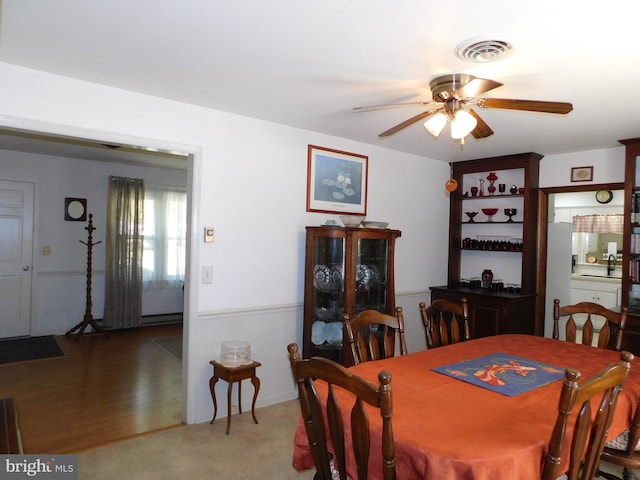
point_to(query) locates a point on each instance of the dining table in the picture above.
(446, 428)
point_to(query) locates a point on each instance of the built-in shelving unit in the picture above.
(630, 296)
(631, 246)
(508, 248)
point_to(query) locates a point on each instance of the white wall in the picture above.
(249, 181)
(59, 279)
(608, 167)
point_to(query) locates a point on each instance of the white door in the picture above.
(16, 252)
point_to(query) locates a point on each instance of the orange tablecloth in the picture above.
(446, 429)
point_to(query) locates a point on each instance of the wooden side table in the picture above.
(231, 375)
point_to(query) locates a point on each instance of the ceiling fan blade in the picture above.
(482, 130)
(408, 122)
(528, 105)
(370, 108)
(476, 87)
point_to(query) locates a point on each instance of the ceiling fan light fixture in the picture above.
(462, 124)
(435, 124)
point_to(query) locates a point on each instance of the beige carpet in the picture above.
(203, 451)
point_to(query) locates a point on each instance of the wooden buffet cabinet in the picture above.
(492, 313)
(347, 270)
(508, 246)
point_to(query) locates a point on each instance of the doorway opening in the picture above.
(116, 151)
(566, 256)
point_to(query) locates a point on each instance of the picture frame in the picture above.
(75, 209)
(336, 181)
(582, 174)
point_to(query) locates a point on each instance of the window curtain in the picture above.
(165, 230)
(123, 272)
(598, 223)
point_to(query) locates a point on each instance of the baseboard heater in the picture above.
(160, 319)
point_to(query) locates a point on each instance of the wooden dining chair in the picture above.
(372, 335)
(624, 451)
(590, 428)
(317, 417)
(611, 333)
(445, 322)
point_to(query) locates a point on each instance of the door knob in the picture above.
(26, 268)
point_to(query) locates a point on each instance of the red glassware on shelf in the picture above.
(487, 278)
(492, 177)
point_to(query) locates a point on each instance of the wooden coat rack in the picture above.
(88, 318)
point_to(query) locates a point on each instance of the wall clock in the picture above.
(75, 209)
(604, 196)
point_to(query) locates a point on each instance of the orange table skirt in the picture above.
(447, 429)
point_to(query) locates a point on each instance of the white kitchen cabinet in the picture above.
(606, 294)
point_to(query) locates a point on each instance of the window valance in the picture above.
(612, 223)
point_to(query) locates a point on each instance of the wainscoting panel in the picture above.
(269, 329)
(414, 332)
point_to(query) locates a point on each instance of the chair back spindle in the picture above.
(445, 322)
(318, 416)
(610, 335)
(590, 428)
(372, 335)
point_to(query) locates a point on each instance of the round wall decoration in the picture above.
(604, 196)
(75, 209)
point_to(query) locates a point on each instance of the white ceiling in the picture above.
(307, 63)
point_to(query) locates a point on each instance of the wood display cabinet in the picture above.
(631, 245)
(498, 239)
(347, 270)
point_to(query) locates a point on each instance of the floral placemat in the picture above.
(503, 373)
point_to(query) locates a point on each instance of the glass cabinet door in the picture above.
(372, 264)
(328, 279)
(327, 297)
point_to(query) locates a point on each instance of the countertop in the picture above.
(596, 278)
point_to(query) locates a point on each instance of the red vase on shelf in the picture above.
(487, 278)
(492, 177)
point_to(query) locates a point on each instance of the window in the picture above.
(165, 229)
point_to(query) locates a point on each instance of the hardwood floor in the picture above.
(105, 388)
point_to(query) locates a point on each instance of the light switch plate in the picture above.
(207, 274)
(208, 234)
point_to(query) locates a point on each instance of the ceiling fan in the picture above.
(453, 96)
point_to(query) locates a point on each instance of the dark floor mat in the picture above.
(32, 348)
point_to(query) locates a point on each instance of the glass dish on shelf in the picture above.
(510, 212)
(333, 333)
(318, 332)
(489, 212)
(471, 215)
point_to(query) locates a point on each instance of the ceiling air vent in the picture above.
(483, 50)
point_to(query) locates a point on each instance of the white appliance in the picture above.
(559, 260)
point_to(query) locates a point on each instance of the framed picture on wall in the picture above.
(336, 181)
(582, 174)
(75, 209)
